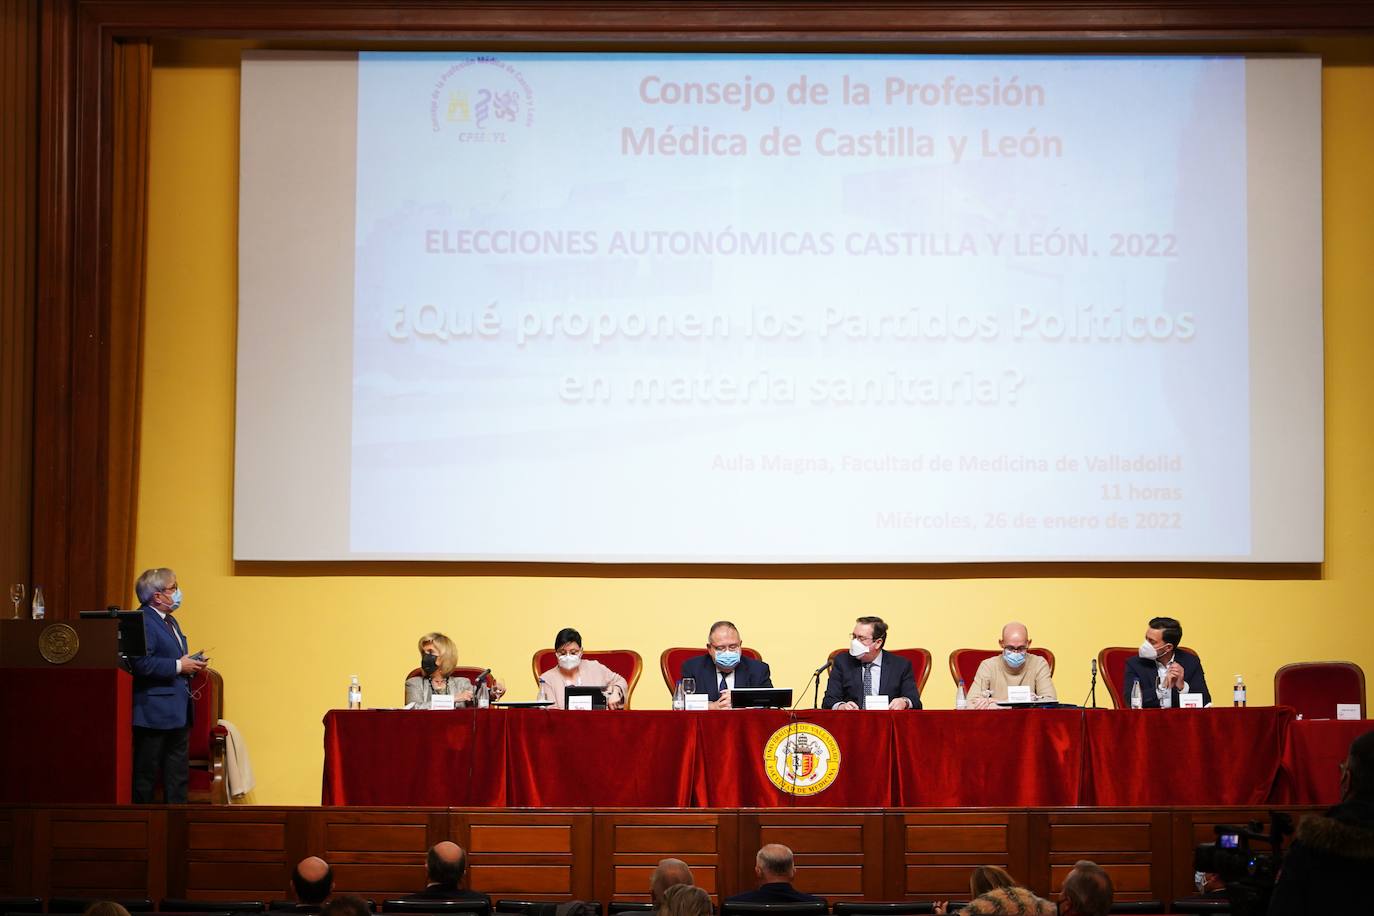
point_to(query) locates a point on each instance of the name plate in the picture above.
(1347, 710)
(441, 701)
(1019, 695)
(875, 702)
(583, 702)
(698, 701)
(1190, 701)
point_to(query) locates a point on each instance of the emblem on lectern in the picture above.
(58, 643)
(802, 759)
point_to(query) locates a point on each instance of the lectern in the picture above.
(66, 713)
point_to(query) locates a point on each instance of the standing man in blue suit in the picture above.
(724, 667)
(868, 671)
(162, 698)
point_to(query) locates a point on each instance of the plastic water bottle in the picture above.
(355, 693)
(1238, 692)
(960, 697)
(1136, 701)
(679, 697)
(483, 695)
(40, 609)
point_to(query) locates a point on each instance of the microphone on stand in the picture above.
(477, 682)
(821, 670)
(816, 676)
(1092, 691)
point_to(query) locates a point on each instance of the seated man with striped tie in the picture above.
(867, 671)
(724, 667)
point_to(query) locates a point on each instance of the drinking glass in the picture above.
(17, 596)
(689, 686)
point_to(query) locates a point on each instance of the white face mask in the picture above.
(857, 648)
(569, 662)
(1148, 651)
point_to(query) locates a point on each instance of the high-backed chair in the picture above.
(1111, 669)
(624, 662)
(671, 661)
(920, 663)
(963, 663)
(206, 744)
(1314, 688)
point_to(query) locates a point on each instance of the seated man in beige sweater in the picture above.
(1015, 666)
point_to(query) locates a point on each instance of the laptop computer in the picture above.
(598, 698)
(761, 698)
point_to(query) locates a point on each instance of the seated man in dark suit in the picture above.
(723, 667)
(312, 881)
(869, 671)
(445, 865)
(1162, 670)
(775, 870)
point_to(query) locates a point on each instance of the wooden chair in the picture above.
(920, 663)
(1314, 688)
(624, 662)
(963, 663)
(671, 661)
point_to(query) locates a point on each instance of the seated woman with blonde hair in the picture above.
(438, 658)
(995, 891)
(685, 900)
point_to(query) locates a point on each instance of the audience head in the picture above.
(686, 900)
(443, 649)
(867, 638)
(567, 648)
(987, 878)
(1163, 635)
(774, 863)
(346, 905)
(445, 863)
(668, 873)
(106, 908)
(1357, 774)
(312, 880)
(723, 642)
(1087, 891)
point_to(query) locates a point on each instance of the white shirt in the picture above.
(164, 618)
(1166, 696)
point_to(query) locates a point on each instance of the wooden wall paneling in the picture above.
(378, 853)
(228, 853)
(100, 853)
(1134, 846)
(9, 866)
(838, 854)
(627, 846)
(534, 855)
(1191, 826)
(940, 848)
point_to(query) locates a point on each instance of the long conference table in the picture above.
(937, 758)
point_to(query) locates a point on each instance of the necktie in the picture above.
(171, 628)
(868, 680)
(723, 686)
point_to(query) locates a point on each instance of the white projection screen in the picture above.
(779, 308)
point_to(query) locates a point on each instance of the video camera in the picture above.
(1249, 875)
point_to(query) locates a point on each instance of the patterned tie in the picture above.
(172, 628)
(868, 679)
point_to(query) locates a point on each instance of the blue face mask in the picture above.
(727, 659)
(1014, 659)
(176, 600)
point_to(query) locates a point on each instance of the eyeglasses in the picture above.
(866, 640)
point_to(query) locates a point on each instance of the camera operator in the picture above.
(1327, 868)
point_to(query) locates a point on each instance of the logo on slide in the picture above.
(484, 99)
(802, 759)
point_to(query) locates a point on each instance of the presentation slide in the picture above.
(791, 309)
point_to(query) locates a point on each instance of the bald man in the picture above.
(1014, 666)
(775, 868)
(312, 880)
(667, 873)
(445, 865)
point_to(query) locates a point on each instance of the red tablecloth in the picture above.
(1312, 755)
(1008, 758)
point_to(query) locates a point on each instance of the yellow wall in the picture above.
(287, 643)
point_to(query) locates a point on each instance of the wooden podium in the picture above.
(66, 713)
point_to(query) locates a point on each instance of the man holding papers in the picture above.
(867, 673)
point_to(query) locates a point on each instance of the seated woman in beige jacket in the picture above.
(438, 658)
(573, 670)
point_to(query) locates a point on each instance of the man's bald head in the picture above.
(1015, 635)
(775, 863)
(312, 880)
(668, 873)
(445, 863)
